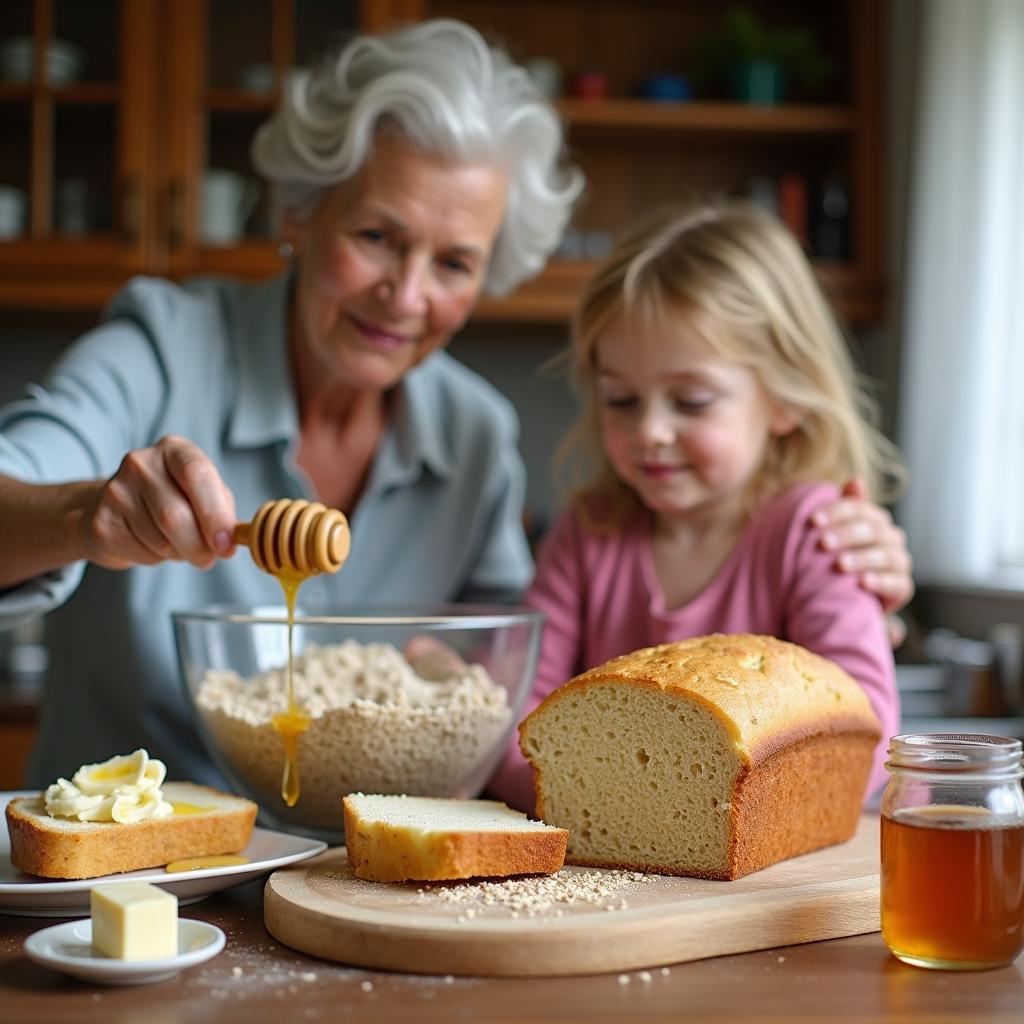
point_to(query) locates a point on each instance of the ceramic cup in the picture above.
(62, 65)
(257, 79)
(225, 203)
(73, 207)
(546, 74)
(12, 211)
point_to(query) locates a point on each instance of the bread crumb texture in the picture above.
(402, 838)
(712, 757)
(376, 726)
(537, 896)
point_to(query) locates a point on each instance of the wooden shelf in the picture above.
(239, 101)
(553, 296)
(88, 92)
(250, 258)
(84, 92)
(14, 91)
(67, 296)
(724, 118)
(549, 298)
(168, 124)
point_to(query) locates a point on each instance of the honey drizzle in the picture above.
(292, 722)
(226, 860)
(293, 539)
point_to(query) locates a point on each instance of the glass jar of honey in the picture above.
(953, 851)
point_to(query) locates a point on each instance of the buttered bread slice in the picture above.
(405, 838)
(204, 822)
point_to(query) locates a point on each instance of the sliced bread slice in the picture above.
(206, 822)
(405, 838)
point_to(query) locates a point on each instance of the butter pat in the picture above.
(134, 921)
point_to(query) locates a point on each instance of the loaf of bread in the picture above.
(205, 823)
(713, 757)
(405, 838)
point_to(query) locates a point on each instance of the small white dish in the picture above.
(68, 948)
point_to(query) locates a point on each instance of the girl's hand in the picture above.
(867, 542)
(432, 659)
(166, 502)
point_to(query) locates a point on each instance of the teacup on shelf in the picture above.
(62, 65)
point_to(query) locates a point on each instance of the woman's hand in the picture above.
(166, 502)
(868, 543)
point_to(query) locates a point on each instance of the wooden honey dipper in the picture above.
(293, 537)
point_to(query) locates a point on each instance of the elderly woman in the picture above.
(411, 171)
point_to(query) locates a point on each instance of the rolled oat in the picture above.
(377, 727)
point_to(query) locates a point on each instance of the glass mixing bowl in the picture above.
(417, 701)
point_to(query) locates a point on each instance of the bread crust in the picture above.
(63, 848)
(768, 693)
(798, 800)
(391, 854)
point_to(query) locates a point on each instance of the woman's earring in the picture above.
(285, 250)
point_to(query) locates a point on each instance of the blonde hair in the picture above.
(743, 284)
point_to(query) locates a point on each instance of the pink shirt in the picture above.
(602, 598)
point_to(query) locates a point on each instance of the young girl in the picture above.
(720, 411)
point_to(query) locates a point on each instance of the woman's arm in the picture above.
(68, 491)
(164, 502)
(34, 519)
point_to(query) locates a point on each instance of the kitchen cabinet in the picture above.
(76, 90)
(640, 154)
(105, 155)
(169, 90)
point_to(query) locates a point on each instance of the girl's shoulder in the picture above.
(783, 520)
(605, 513)
(798, 500)
(594, 525)
(782, 539)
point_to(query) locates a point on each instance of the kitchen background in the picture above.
(126, 123)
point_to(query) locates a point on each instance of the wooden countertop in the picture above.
(256, 979)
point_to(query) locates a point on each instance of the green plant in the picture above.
(744, 39)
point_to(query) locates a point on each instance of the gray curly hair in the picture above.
(449, 93)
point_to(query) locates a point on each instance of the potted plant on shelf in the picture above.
(757, 64)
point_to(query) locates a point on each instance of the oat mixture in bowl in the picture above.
(420, 702)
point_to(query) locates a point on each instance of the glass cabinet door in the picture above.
(242, 81)
(84, 196)
(236, 55)
(75, 125)
(16, 72)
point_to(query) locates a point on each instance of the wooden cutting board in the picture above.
(320, 907)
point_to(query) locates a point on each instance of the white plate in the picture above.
(68, 947)
(31, 896)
